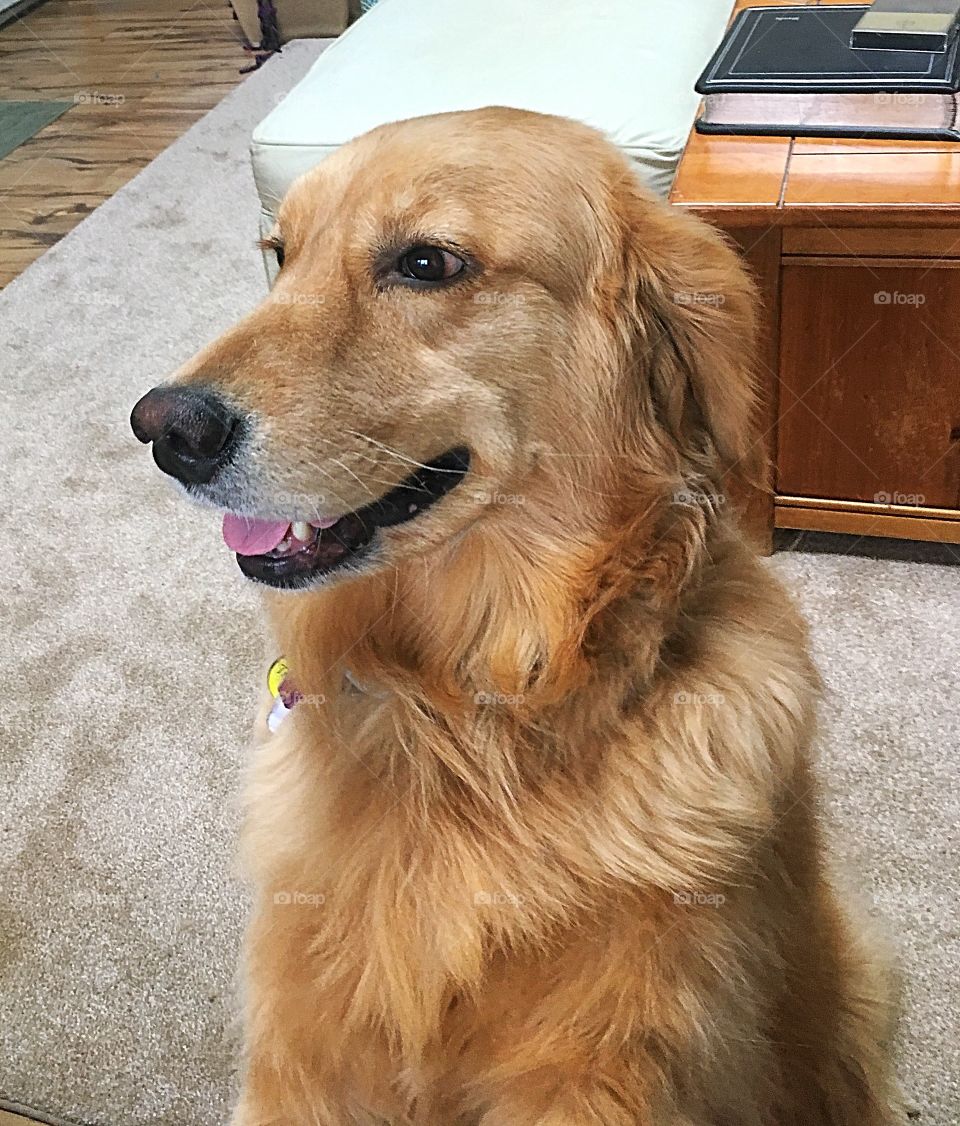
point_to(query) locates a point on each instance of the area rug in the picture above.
(133, 649)
(20, 120)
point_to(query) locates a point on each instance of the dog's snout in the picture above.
(191, 428)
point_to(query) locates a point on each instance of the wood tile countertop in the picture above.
(783, 181)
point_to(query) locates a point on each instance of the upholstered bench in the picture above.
(627, 67)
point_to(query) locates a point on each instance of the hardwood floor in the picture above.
(8, 1119)
(139, 74)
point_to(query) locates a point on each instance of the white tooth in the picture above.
(302, 531)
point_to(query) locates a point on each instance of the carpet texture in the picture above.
(20, 120)
(134, 649)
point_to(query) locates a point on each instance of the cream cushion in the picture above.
(627, 67)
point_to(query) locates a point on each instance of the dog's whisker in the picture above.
(397, 454)
(363, 485)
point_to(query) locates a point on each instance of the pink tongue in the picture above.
(252, 537)
(257, 537)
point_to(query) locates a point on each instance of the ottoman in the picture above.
(626, 67)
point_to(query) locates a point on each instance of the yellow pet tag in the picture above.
(276, 676)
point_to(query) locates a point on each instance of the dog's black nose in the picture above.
(191, 428)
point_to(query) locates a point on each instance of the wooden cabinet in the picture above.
(855, 244)
(869, 372)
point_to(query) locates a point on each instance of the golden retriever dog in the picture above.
(535, 838)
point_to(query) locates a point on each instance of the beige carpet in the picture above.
(132, 647)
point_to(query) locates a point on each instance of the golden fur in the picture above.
(557, 861)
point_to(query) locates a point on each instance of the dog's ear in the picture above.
(694, 320)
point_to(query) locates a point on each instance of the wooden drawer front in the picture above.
(870, 382)
(872, 242)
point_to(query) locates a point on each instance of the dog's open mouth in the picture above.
(293, 554)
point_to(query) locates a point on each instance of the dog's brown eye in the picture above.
(278, 250)
(430, 264)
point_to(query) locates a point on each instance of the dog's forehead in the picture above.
(460, 176)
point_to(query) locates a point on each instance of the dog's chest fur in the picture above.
(457, 893)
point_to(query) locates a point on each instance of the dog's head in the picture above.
(473, 310)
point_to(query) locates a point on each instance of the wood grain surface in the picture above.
(860, 374)
(139, 74)
(794, 181)
(869, 405)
